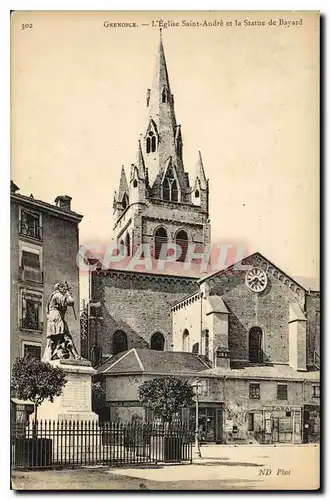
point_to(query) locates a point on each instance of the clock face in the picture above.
(256, 279)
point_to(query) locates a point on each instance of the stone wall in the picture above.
(137, 303)
(313, 325)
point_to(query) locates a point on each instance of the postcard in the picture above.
(165, 300)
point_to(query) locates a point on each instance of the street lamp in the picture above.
(196, 387)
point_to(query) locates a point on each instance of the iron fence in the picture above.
(77, 443)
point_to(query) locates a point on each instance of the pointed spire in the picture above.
(114, 203)
(161, 125)
(161, 68)
(123, 185)
(178, 135)
(200, 172)
(160, 93)
(140, 162)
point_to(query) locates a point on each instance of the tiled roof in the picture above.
(243, 261)
(176, 363)
(47, 206)
(149, 361)
(109, 362)
(170, 362)
(263, 372)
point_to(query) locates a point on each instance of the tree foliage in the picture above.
(98, 396)
(166, 395)
(36, 381)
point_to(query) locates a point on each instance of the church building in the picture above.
(248, 333)
(158, 203)
(156, 206)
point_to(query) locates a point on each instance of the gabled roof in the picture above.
(245, 261)
(153, 362)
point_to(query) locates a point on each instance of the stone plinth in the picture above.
(75, 402)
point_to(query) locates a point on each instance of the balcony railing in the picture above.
(31, 274)
(30, 231)
(31, 324)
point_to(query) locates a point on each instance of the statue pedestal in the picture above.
(75, 402)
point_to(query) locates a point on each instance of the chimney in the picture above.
(222, 358)
(63, 202)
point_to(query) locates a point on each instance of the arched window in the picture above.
(128, 244)
(135, 183)
(255, 343)
(151, 142)
(119, 342)
(122, 247)
(182, 241)
(166, 190)
(196, 193)
(157, 342)
(185, 341)
(125, 201)
(160, 239)
(195, 348)
(170, 186)
(174, 191)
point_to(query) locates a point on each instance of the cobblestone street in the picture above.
(221, 467)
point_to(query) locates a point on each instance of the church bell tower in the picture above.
(156, 202)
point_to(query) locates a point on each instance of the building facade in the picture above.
(253, 405)
(44, 247)
(258, 329)
(252, 330)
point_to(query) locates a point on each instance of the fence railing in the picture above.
(76, 443)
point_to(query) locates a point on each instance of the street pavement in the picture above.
(221, 467)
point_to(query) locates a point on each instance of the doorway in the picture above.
(210, 422)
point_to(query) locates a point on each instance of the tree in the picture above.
(166, 396)
(98, 396)
(36, 381)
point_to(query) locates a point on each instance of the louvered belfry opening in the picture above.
(160, 240)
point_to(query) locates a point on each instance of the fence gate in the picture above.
(76, 443)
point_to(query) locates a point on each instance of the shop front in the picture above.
(210, 422)
(311, 433)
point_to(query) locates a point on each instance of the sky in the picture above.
(246, 96)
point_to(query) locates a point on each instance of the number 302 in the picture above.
(27, 26)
